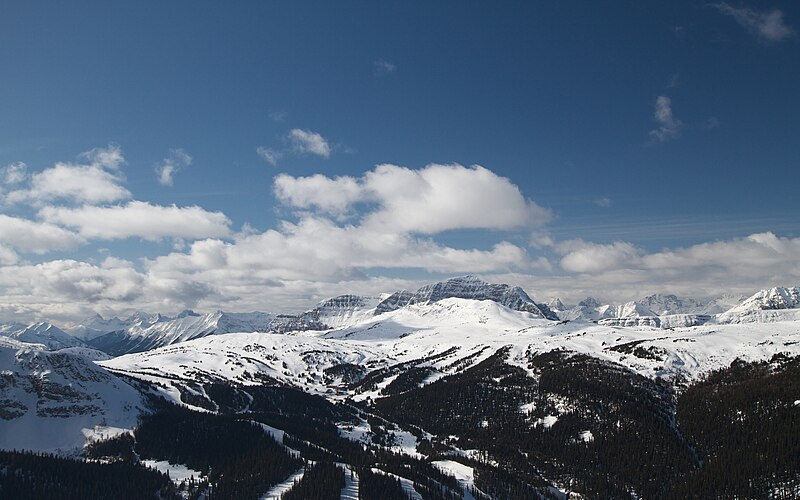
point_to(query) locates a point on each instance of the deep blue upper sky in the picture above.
(559, 97)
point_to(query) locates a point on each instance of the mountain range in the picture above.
(144, 331)
(463, 377)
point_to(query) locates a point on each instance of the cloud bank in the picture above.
(349, 234)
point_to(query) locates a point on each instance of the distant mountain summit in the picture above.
(771, 299)
(42, 333)
(771, 304)
(468, 287)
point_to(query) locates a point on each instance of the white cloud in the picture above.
(767, 25)
(383, 67)
(579, 256)
(319, 251)
(269, 155)
(109, 157)
(139, 219)
(177, 159)
(14, 173)
(620, 271)
(306, 141)
(429, 200)
(7, 256)
(69, 290)
(26, 235)
(334, 196)
(60, 282)
(669, 126)
(97, 181)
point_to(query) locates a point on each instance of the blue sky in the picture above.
(625, 148)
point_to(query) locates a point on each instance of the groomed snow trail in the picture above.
(280, 489)
(350, 490)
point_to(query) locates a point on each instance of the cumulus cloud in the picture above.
(24, 235)
(669, 127)
(766, 25)
(98, 180)
(579, 256)
(269, 155)
(7, 256)
(429, 200)
(308, 142)
(175, 161)
(330, 195)
(342, 234)
(56, 286)
(139, 219)
(69, 290)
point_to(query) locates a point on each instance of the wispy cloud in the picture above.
(766, 25)
(277, 116)
(382, 67)
(269, 155)
(669, 126)
(674, 81)
(13, 173)
(711, 123)
(170, 165)
(603, 202)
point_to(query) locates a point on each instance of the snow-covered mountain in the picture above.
(96, 326)
(56, 400)
(664, 304)
(43, 333)
(417, 360)
(657, 310)
(772, 304)
(467, 287)
(149, 331)
(444, 338)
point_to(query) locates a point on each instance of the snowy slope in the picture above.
(52, 401)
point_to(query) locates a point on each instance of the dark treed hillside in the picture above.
(28, 476)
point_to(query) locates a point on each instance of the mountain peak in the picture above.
(589, 302)
(771, 299)
(556, 304)
(467, 287)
